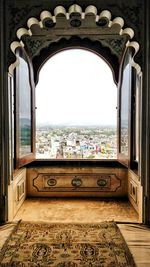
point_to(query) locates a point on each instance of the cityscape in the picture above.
(76, 142)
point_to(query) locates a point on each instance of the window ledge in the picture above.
(76, 163)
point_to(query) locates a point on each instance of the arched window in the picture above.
(76, 99)
(76, 115)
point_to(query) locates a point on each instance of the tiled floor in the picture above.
(88, 210)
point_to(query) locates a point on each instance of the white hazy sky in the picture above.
(76, 87)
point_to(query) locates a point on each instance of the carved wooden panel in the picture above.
(76, 182)
(135, 193)
(20, 190)
(16, 193)
(133, 190)
(79, 182)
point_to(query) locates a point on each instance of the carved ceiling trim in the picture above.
(77, 21)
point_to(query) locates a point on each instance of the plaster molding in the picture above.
(14, 45)
(135, 46)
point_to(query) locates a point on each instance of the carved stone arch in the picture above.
(65, 24)
(76, 42)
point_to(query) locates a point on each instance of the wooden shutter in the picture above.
(24, 110)
(124, 121)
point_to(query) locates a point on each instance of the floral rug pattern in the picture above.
(66, 245)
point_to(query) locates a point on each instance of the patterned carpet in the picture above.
(66, 245)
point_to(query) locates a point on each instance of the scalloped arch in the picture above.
(76, 42)
(75, 16)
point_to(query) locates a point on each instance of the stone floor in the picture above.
(66, 210)
(138, 240)
(76, 210)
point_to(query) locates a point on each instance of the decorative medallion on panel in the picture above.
(50, 182)
(77, 182)
(104, 183)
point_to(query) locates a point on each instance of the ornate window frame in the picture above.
(67, 26)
